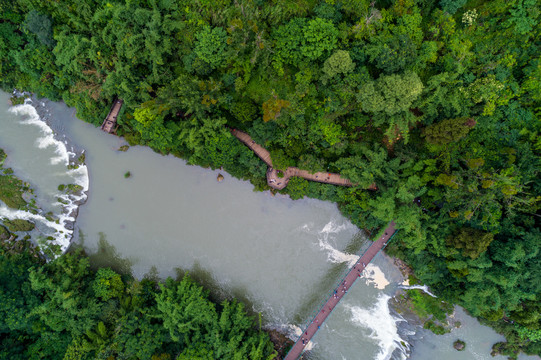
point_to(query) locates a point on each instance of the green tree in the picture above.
(108, 284)
(448, 130)
(452, 6)
(472, 242)
(338, 63)
(211, 46)
(41, 26)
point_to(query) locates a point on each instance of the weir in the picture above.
(339, 292)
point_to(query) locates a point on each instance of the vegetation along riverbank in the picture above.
(64, 310)
(436, 102)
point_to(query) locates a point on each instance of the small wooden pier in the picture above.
(339, 292)
(109, 124)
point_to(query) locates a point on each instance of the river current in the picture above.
(280, 257)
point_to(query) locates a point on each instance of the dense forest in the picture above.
(437, 102)
(65, 310)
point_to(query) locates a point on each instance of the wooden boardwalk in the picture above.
(109, 124)
(339, 292)
(278, 179)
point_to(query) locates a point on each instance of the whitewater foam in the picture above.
(375, 276)
(420, 287)
(334, 255)
(382, 326)
(69, 202)
(294, 332)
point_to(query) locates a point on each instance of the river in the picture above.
(278, 256)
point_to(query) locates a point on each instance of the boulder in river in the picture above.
(459, 345)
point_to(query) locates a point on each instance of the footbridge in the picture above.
(339, 292)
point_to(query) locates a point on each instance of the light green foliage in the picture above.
(296, 188)
(12, 190)
(185, 311)
(107, 284)
(390, 94)
(211, 45)
(18, 225)
(529, 334)
(338, 63)
(301, 40)
(320, 37)
(426, 306)
(390, 98)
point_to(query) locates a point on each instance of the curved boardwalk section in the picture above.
(278, 179)
(339, 292)
(109, 124)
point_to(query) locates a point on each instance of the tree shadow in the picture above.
(106, 255)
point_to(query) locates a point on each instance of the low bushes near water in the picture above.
(12, 188)
(18, 225)
(431, 311)
(70, 188)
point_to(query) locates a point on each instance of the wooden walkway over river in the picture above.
(339, 292)
(109, 124)
(278, 179)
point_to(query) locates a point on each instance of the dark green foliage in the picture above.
(447, 131)
(41, 26)
(63, 310)
(472, 242)
(11, 187)
(452, 6)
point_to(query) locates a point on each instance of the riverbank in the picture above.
(195, 225)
